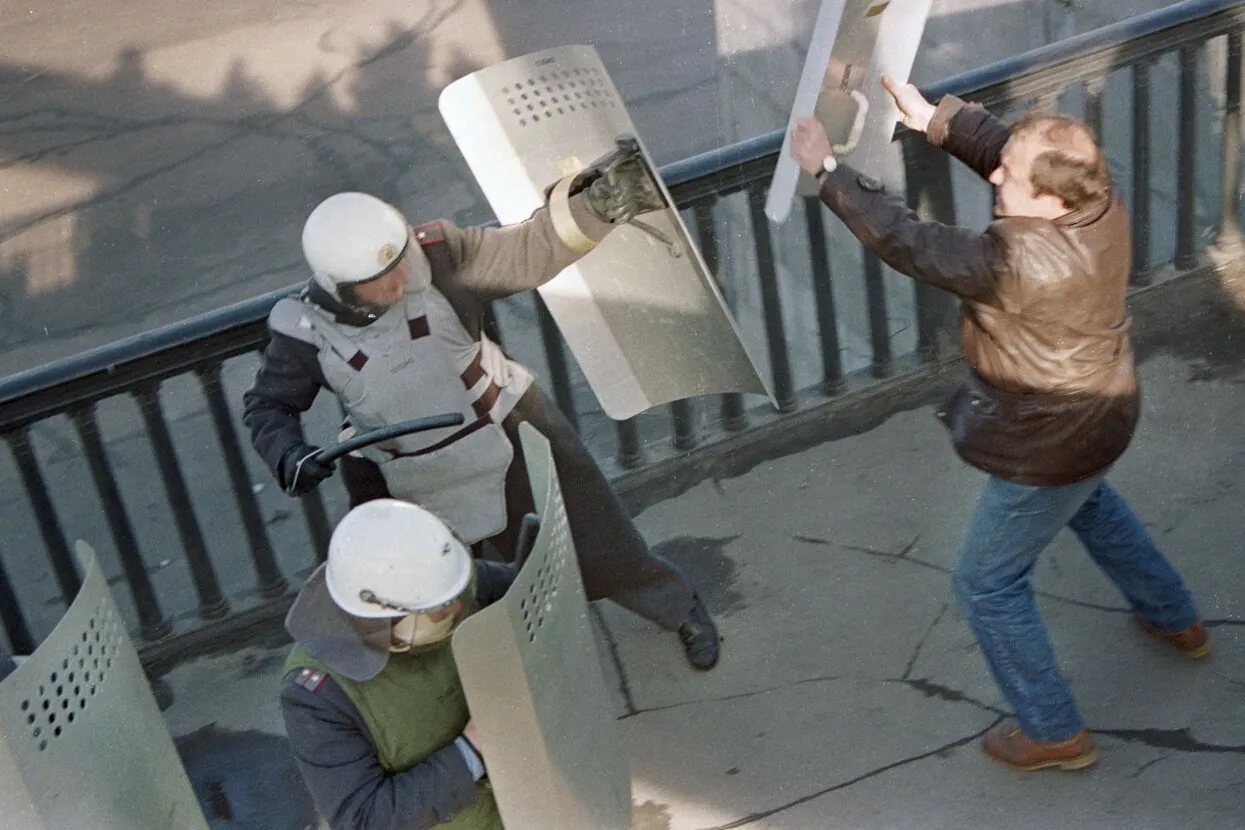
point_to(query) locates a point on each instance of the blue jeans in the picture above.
(1011, 525)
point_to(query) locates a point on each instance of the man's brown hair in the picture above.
(1072, 167)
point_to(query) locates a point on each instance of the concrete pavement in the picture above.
(851, 694)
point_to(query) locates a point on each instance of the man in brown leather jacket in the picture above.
(1051, 399)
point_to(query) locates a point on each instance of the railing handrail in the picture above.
(58, 386)
(1141, 35)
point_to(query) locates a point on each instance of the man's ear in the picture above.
(1052, 206)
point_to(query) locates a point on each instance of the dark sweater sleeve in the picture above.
(339, 764)
(286, 384)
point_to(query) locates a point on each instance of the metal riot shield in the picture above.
(535, 688)
(854, 43)
(641, 312)
(82, 740)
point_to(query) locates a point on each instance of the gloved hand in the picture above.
(622, 188)
(301, 472)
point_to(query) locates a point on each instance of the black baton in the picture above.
(363, 439)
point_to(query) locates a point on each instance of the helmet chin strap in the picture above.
(419, 630)
(373, 311)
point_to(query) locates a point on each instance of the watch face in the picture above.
(829, 163)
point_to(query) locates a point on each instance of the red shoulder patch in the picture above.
(309, 679)
(429, 234)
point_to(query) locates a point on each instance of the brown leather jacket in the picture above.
(1052, 396)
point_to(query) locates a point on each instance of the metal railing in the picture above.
(725, 187)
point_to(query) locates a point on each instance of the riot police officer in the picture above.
(391, 323)
(373, 707)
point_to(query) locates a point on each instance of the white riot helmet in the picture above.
(391, 558)
(351, 238)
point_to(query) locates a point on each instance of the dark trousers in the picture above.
(613, 557)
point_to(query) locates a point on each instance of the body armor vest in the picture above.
(413, 708)
(415, 361)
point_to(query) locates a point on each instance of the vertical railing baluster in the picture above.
(683, 416)
(771, 303)
(823, 296)
(15, 628)
(1186, 164)
(212, 604)
(153, 625)
(630, 455)
(883, 365)
(317, 524)
(1093, 106)
(1141, 173)
(1229, 220)
(270, 582)
(930, 193)
(64, 567)
(555, 355)
(734, 416)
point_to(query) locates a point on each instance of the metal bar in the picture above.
(64, 568)
(1229, 218)
(734, 417)
(883, 365)
(1093, 105)
(270, 582)
(1186, 162)
(153, 625)
(1048, 101)
(630, 454)
(59, 386)
(734, 414)
(15, 628)
(823, 296)
(317, 524)
(212, 604)
(555, 354)
(931, 195)
(771, 303)
(683, 414)
(1141, 173)
(1099, 51)
(1024, 76)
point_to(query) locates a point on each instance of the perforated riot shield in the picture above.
(641, 312)
(535, 688)
(854, 43)
(82, 741)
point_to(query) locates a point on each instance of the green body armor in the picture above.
(413, 708)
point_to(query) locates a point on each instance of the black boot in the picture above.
(700, 638)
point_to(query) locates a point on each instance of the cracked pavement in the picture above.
(850, 693)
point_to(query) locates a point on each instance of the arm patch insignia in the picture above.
(429, 234)
(309, 679)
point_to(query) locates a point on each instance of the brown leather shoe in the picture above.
(1011, 747)
(1193, 641)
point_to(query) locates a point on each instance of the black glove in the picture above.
(620, 186)
(301, 471)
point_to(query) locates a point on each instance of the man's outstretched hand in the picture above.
(916, 111)
(809, 145)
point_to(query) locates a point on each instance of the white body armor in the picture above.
(418, 360)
